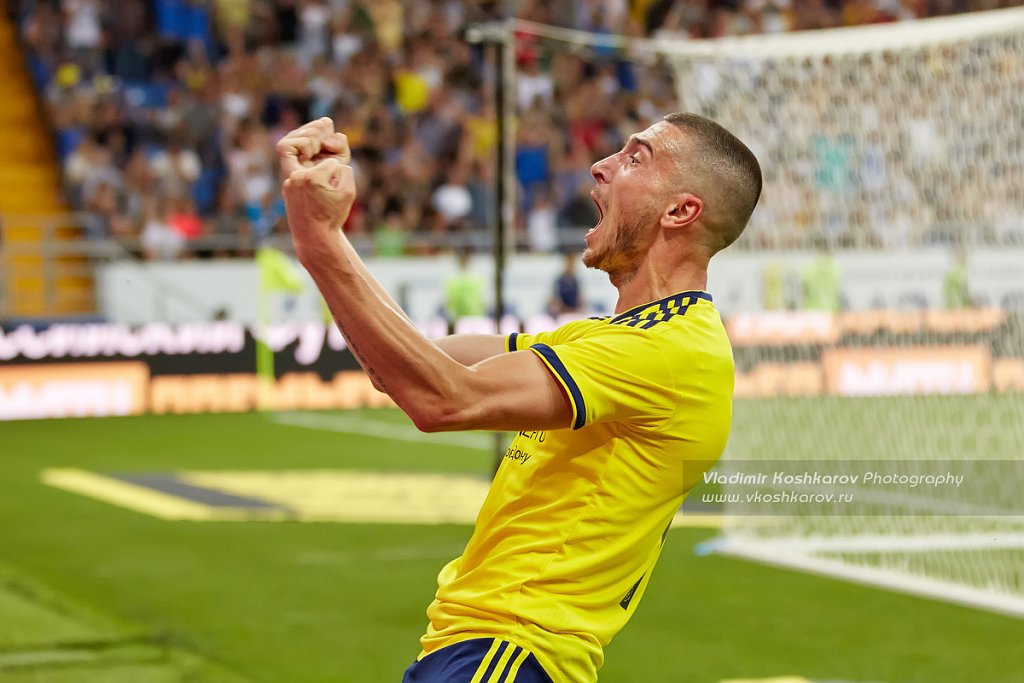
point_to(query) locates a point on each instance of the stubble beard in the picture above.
(621, 258)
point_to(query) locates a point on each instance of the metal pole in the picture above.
(508, 135)
(501, 186)
(503, 227)
(501, 35)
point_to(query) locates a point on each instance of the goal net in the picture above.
(883, 447)
(892, 444)
(884, 136)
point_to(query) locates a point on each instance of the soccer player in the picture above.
(616, 417)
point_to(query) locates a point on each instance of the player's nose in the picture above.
(601, 171)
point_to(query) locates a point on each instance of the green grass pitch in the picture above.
(93, 592)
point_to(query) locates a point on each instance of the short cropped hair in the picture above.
(729, 165)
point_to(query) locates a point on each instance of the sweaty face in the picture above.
(628, 197)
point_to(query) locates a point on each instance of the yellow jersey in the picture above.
(575, 518)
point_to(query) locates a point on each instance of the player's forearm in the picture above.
(368, 277)
(422, 379)
(371, 281)
(467, 349)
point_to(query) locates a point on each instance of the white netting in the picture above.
(889, 136)
(913, 423)
(882, 136)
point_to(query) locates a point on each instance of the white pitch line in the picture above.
(383, 430)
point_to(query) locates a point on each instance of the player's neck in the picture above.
(651, 283)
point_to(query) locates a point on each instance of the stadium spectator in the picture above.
(541, 223)
(83, 33)
(464, 292)
(203, 89)
(955, 292)
(452, 199)
(391, 235)
(183, 219)
(567, 297)
(822, 282)
(229, 225)
(175, 169)
(160, 242)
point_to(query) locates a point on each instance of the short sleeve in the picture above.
(514, 341)
(520, 341)
(612, 373)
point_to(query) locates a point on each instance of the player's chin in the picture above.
(591, 258)
(592, 248)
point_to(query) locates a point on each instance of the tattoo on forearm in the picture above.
(374, 377)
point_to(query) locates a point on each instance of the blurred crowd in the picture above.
(166, 112)
(904, 150)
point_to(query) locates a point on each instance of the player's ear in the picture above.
(682, 211)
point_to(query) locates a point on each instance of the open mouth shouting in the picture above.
(598, 201)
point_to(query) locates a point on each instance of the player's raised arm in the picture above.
(470, 349)
(314, 142)
(317, 141)
(432, 387)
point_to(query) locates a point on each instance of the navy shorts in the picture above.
(480, 660)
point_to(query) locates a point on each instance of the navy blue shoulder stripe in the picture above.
(661, 302)
(574, 391)
(512, 341)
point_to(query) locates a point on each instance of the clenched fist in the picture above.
(319, 188)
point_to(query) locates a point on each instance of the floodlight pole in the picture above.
(501, 36)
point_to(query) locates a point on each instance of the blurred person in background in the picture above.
(389, 238)
(452, 198)
(228, 228)
(463, 292)
(159, 241)
(821, 281)
(955, 292)
(542, 223)
(84, 32)
(182, 217)
(175, 168)
(773, 287)
(567, 297)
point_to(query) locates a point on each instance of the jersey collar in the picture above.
(680, 295)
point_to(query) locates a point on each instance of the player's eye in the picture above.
(633, 161)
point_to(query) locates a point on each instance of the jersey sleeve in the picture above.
(613, 373)
(520, 341)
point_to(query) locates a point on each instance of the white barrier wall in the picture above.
(198, 290)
